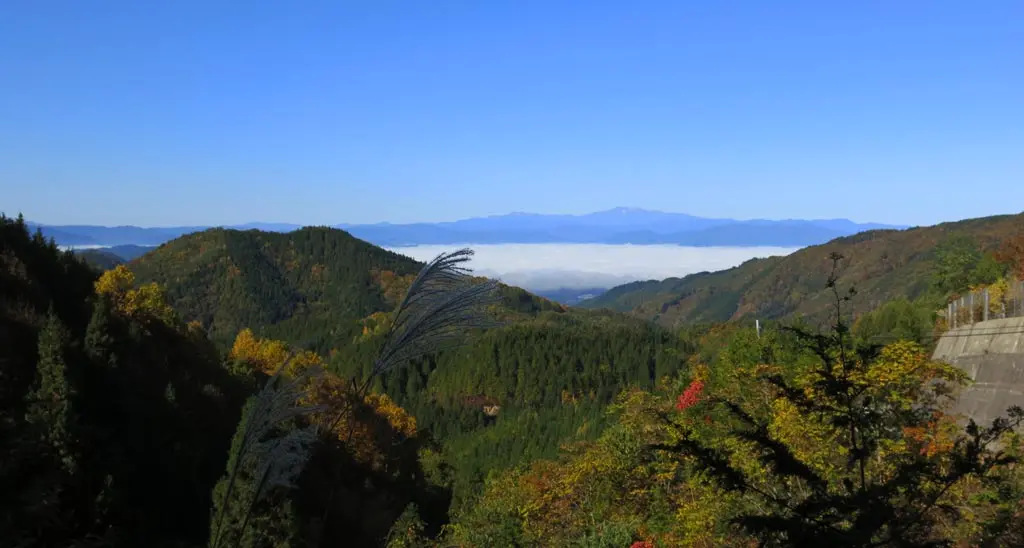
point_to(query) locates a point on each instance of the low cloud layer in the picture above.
(542, 267)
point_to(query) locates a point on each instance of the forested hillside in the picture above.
(518, 392)
(100, 259)
(882, 264)
(309, 287)
(115, 417)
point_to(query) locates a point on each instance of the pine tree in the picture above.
(49, 404)
(98, 340)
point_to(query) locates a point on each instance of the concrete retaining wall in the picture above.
(992, 353)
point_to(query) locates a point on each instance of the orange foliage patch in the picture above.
(392, 285)
(1011, 253)
(935, 437)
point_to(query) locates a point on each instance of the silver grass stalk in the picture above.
(280, 459)
(441, 305)
(279, 463)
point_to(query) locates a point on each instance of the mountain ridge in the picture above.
(613, 226)
(880, 264)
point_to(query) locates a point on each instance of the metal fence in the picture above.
(991, 303)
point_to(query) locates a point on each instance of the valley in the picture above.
(545, 379)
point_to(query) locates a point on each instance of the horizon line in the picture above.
(494, 216)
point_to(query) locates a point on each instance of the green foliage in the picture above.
(899, 319)
(408, 530)
(546, 380)
(987, 270)
(954, 261)
(50, 402)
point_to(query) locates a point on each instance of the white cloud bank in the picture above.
(542, 267)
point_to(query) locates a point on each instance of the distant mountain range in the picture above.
(615, 226)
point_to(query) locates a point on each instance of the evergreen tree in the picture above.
(98, 339)
(50, 402)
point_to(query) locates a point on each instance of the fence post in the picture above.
(955, 311)
(984, 314)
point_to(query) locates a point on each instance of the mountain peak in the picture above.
(622, 209)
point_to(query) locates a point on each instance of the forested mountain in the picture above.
(310, 287)
(100, 259)
(882, 264)
(105, 258)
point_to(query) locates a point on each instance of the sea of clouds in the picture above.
(545, 267)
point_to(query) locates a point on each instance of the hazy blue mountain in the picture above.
(571, 296)
(62, 237)
(268, 227)
(113, 235)
(129, 251)
(105, 258)
(117, 236)
(615, 226)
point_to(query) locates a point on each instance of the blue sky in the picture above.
(180, 113)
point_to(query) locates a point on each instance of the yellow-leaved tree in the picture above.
(145, 302)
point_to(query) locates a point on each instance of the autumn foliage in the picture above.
(691, 396)
(146, 301)
(267, 355)
(661, 476)
(1011, 253)
(365, 425)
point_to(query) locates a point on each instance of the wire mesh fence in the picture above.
(990, 303)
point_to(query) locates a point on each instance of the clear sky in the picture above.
(218, 112)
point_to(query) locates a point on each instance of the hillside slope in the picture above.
(305, 286)
(114, 423)
(311, 287)
(100, 259)
(881, 264)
